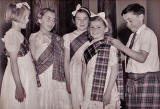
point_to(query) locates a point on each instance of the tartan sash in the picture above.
(54, 54)
(102, 49)
(77, 43)
(120, 80)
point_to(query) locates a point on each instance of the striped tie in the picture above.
(130, 46)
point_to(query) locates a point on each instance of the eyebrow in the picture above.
(81, 17)
(50, 17)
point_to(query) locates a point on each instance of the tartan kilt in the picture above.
(143, 91)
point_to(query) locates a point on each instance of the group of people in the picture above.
(82, 69)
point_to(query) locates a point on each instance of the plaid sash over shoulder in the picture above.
(54, 54)
(77, 43)
(120, 76)
(101, 47)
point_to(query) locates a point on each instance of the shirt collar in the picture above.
(140, 29)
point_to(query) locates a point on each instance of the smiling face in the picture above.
(47, 22)
(133, 22)
(97, 29)
(81, 21)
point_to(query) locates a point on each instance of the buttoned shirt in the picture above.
(145, 40)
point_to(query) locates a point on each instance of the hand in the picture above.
(68, 87)
(106, 99)
(20, 93)
(117, 43)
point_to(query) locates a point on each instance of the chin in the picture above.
(23, 26)
(82, 29)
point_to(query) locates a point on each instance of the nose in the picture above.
(82, 21)
(128, 24)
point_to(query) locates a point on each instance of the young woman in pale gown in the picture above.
(19, 89)
(48, 54)
(74, 43)
(100, 68)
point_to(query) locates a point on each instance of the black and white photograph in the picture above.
(79, 54)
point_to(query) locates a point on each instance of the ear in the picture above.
(141, 16)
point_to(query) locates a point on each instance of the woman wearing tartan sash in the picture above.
(48, 55)
(100, 68)
(75, 43)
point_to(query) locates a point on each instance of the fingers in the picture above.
(20, 94)
(68, 88)
(24, 93)
(19, 98)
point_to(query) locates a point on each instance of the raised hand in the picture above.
(117, 43)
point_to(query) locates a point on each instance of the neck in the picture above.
(138, 27)
(81, 31)
(97, 39)
(44, 32)
(15, 26)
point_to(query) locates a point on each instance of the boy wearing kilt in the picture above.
(142, 62)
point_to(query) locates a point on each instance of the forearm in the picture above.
(112, 78)
(67, 64)
(67, 71)
(83, 78)
(137, 56)
(32, 49)
(15, 72)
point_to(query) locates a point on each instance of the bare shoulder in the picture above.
(33, 37)
(68, 35)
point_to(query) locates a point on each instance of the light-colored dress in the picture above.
(115, 100)
(75, 69)
(52, 93)
(12, 41)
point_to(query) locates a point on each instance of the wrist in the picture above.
(18, 85)
(107, 92)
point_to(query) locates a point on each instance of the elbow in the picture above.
(142, 60)
(142, 57)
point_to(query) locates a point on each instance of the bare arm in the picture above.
(20, 92)
(83, 78)
(32, 46)
(111, 82)
(67, 68)
(140, 56)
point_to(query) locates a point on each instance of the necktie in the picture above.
(130, 46)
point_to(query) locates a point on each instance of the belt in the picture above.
(132, 78)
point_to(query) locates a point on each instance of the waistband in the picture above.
(137, 76)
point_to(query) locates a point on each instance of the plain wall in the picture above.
(153, 18)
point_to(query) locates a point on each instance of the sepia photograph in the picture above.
(79, 54)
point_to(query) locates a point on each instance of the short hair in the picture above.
(136, 8)
(108, 25)
(15, 14)
(42, 12)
